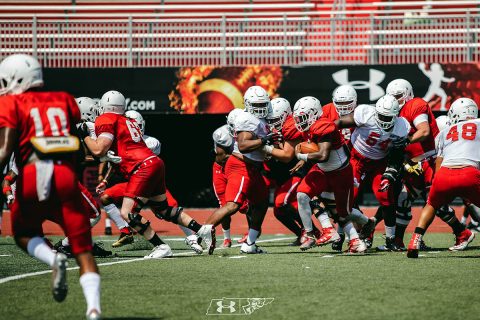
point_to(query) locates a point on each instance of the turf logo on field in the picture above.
(236, 306)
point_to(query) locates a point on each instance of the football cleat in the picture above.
(251, 248)
(390, 245)
(108, 231)
(414, 245)
(66, 250)
(124, 239)
(227, 243)
(243, 239)
(99, 251)
(424, 247)
(94, 315)
(462, 240)
(356, 246)
(367, 229)
(192, 242)
(338, 244)
(207, 233)
(303, 236)
(160, 252)
(308, 243)
(329, 235)
(399, 243)
(59, 277)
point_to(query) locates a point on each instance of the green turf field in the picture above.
(316, 284)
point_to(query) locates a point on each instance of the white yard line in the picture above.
(32, 274)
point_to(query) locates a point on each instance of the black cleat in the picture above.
(296, 243)
(66, 250)
(424, 247)
(99, 251)
(108, 231)
(338, 244)
(390, 245)
(367, 229)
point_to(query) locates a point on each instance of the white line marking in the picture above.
(237, 257)
(5, 255)
(32, 274)
(327, 256)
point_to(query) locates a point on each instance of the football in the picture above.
(308, 147)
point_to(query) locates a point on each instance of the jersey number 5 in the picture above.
(469, 131)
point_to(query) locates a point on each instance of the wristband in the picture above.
(268, 149)
(302, 156)
(6, 189)
(105, 181)
(9, 178)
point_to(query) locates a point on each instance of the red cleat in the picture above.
(243, 239)
(414, 246)
(227, 243)
(308, 243)
(329, 235)
(356, 246)
(462, 240)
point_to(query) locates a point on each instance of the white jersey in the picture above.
(152, 144)
(247, 122)
(222, 137)
(369, 139)
(459, 144)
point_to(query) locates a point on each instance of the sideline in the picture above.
(32, 274)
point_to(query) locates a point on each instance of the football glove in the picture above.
(272, 138)
(10, 199)
(111, 157)
(415, 169)
(388, 177)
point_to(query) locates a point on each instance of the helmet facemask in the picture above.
(258, 109)
(385, 122)
(345, 107)
(304, 121)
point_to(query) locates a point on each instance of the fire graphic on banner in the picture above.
(207, 89)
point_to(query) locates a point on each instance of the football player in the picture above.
(39, 125)
(243, 167)
(145, 172)
(332, 172)
(378, 130)
(457, 172)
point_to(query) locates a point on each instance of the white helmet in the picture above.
(462, 109)
(305, 112)
(402, 90)
(386, 111)
(231, 119)
(257, 101)
(222, 137)
(135, 115)
(18, 73)
(88, 108)
(113, 102)
(345, 99)
(442, 122)
(278, 113)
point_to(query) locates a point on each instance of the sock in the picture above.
(325, 221)
(420, 231)
(65, 242)
(226, 234)
(38, 248)
(390, 231)
(187, 231)
(90, 282)
(340, 230)
(378, 215)
(400, 231)
(252, 236)
(456, 226)
(155, 240)
(358, 217)
(194, 225)
(114, 214)
(350, 231)
(108, 223)
(305, 211)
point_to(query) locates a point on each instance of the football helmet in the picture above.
(113, 102)
(345, 99)
(135, 115)
(18, 73)
(278, 113)
(88, 108)
(402, 90)
(462, 109)
(442, 122)
(231, 119)
(305, 112)
(222, 137)
(386, 111)
(257, 101)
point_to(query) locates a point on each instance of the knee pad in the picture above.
(445, 213)
(163, 211)
(136, 222)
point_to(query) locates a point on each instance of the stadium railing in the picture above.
(235, 33)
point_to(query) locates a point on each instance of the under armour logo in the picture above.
(376, 77)
(230, 306)
(236, 306)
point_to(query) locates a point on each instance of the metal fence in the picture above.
(306, 39)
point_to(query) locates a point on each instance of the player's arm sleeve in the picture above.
(153, 144)
(362, 114)
(105, 127)
(440, 143)
(403, 128)
(8, 115)
(420, 113)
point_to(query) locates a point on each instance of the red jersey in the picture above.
(416, 111)
(331, 113)
(127, 140)
(38, 114)
(324, 130)
(289, 131)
